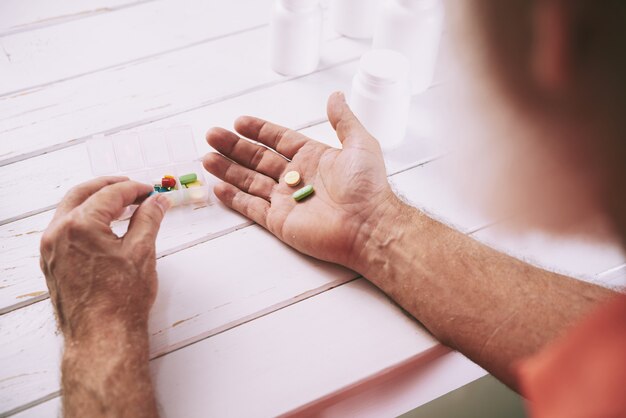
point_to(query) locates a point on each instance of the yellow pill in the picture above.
(168, 176)
(292, 178)
(196, 183)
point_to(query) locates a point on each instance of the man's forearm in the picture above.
(493, 308)
(107, 374)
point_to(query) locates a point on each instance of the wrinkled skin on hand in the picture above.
(93, 275)
(351, 186)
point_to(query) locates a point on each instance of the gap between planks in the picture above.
(80, 140)
(52, 21)
(200, 337)
(31, 404)
(222, 233)
(381, 376)
(133, 61)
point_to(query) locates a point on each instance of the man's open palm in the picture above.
(350, 183)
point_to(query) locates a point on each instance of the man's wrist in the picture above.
(109, 334)
(385, 227)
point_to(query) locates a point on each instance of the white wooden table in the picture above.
(243, 326)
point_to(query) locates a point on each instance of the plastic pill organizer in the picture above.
(149, 157)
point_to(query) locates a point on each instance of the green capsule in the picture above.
(188, 178)
(303, 193)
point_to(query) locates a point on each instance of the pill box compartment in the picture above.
(147, 156)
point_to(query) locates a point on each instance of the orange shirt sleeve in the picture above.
(582, 374)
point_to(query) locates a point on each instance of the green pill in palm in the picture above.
(303, 192)
(188, 178)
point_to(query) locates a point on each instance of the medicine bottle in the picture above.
(354, 18)
(381, 95)
(295, 36)
(413, 28)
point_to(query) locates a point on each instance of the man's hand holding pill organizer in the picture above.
(529, 327)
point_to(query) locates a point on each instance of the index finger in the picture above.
(284, 140)
(106, 204)
(78, 194)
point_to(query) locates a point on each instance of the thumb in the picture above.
(349, 129)
(145, 223)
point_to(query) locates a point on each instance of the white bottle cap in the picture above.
(299, 5)
(381, 97)
(384, 67)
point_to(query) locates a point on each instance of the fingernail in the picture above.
(163, 202)
(341, 95)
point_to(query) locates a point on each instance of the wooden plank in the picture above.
(28, 372)
(47, 409)
(50, 175)
(259, 367)
(20, 16)
(144, 92)
(615, 277)
(22, 282)
(130, 96)
(401, 390)
(59, 52)
(183, 312)
(434, 188)
(581, 257)
(169, 327)
(206, 301)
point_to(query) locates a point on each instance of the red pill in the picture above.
(168, 182)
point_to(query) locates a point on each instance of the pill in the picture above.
(188, 178)
(292, 178)
(303, 193)
(169, 176)
(193, 184)
(168, 182)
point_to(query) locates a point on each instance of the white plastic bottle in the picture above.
(381, 95)
(354, 18)
(412, 27)
(295, 36)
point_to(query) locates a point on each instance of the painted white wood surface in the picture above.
(269, 280)
(575, 256)
(434, 189)
(71, 110)
(403, 390)
(263, 362)
(150, 90)
(182, 314)
(615, 277)
(299, 102)
(47, 409)
(205, 71)
(242, 276)
(55, 172)
(21, 16)
(128, 35)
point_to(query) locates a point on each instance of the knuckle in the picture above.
(48, 240)
(257, 157)
(75, 192)
(142, 250)
(248, 181)
(153, 217)
(280, 136)
(74, 226)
